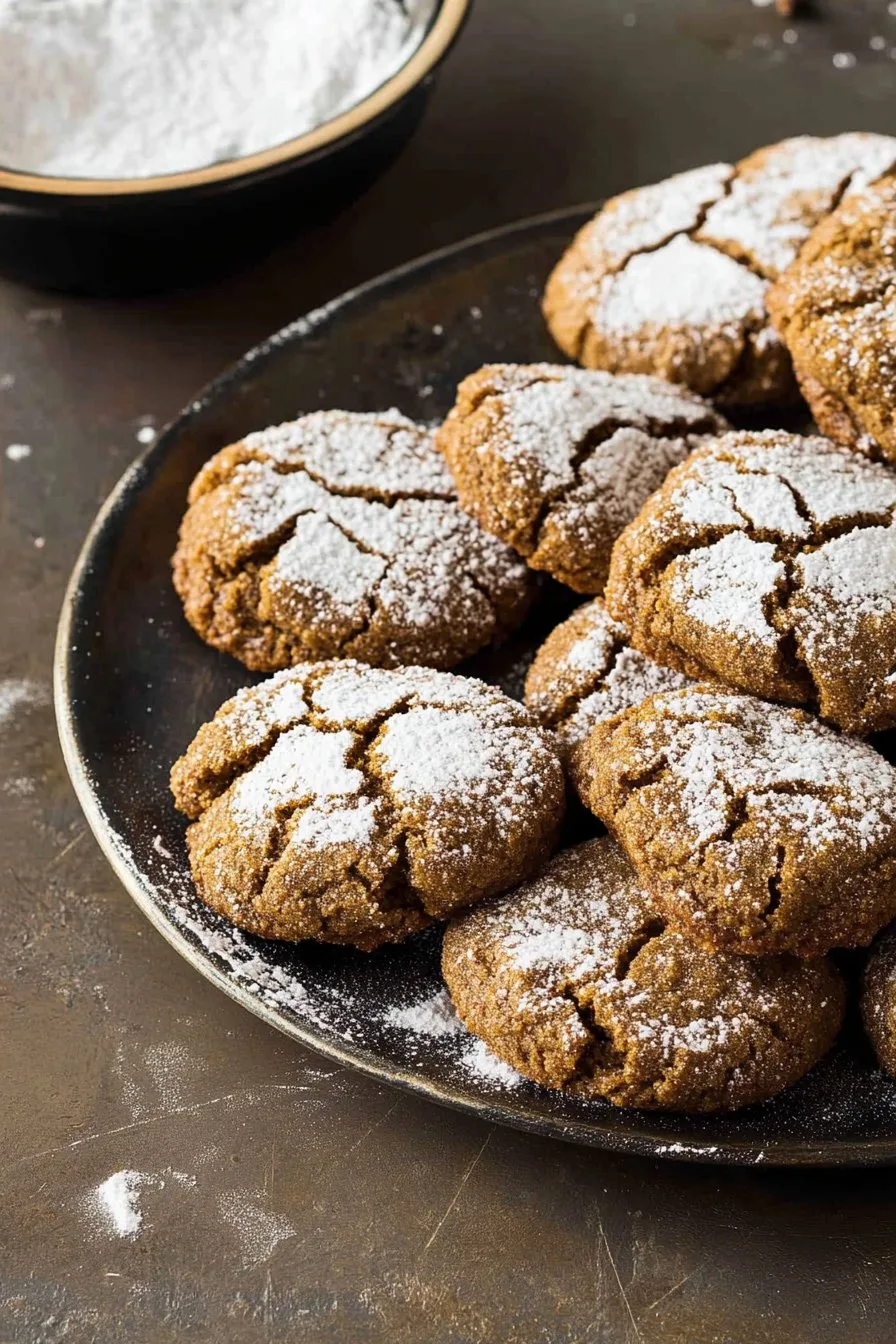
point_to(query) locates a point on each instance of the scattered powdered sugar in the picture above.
(683, 284)
(117, 1200)
(259, 1230)
(118, 89)
(115, 1203)
(17, 452)
(434, 1016)
(488, 1068)
(19, 693)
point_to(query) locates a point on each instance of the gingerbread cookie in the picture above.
(586, 671)
(340, 535)
(576, 981)
(879, 999)
(769, 561)
(671, 279)
(756, 828)
(555, 461)
(835, 308)
(351, 804)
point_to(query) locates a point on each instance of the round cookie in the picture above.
(671, 279)
(339, 535)
(835, 308)
(757, 829)
(879, 999)
(352, 804)
(575, 980)
(769, 560)
(555, 460)
(586, 671)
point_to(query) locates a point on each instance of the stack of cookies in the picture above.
(713, 703)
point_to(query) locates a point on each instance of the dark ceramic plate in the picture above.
(133, 683)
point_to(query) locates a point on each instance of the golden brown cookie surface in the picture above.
(879, 999)
(340, 535)
(586, 671)
(756, 828)
(835, 309)
(353, 804)
(671, 279)
(555, 460)
(576, 981)
(769, 561)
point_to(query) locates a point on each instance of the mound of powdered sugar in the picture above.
(110, 88)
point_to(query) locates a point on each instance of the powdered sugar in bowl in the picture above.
(105, 186)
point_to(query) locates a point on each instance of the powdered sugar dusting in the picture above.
(778, 196)
(683, 284)
(725, 586)
(434, 1016)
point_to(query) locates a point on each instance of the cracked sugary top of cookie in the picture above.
(671, 278)
(757, 828)
(586, 671)
(576, 980)
(556, 460)
(339, 534)
(769, 560)
(352, 804)
(835, 308)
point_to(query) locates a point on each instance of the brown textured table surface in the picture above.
(282, 1198)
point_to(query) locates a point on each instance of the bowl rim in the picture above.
(445, 28)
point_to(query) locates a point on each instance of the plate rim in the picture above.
(791, 1153)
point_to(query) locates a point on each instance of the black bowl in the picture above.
(139, 235)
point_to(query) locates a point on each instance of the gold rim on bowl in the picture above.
(435, 44)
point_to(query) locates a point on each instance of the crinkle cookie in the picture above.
(340, 535)
(555, 460)
(352, 804)
(879, 999)
(835, 309)
(576, 981)
(769, 560)
(756, 828)
(586, 671)
(671, 279)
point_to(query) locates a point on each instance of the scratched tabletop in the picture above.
(171, 1168)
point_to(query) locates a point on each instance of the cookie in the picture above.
(769, 560)
(353, 804)
(555, 461)
(671, 279)
(576, 981)
(834, 309)
(757, 829)
(879, 999)
(339, 535)
(586, 671)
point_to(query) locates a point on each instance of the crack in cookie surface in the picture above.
(575, 980)
(706, 790)
(340, 534)
(672, 278)
(585, 672)
(351, 804)
(769, 560)
(555, 461)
